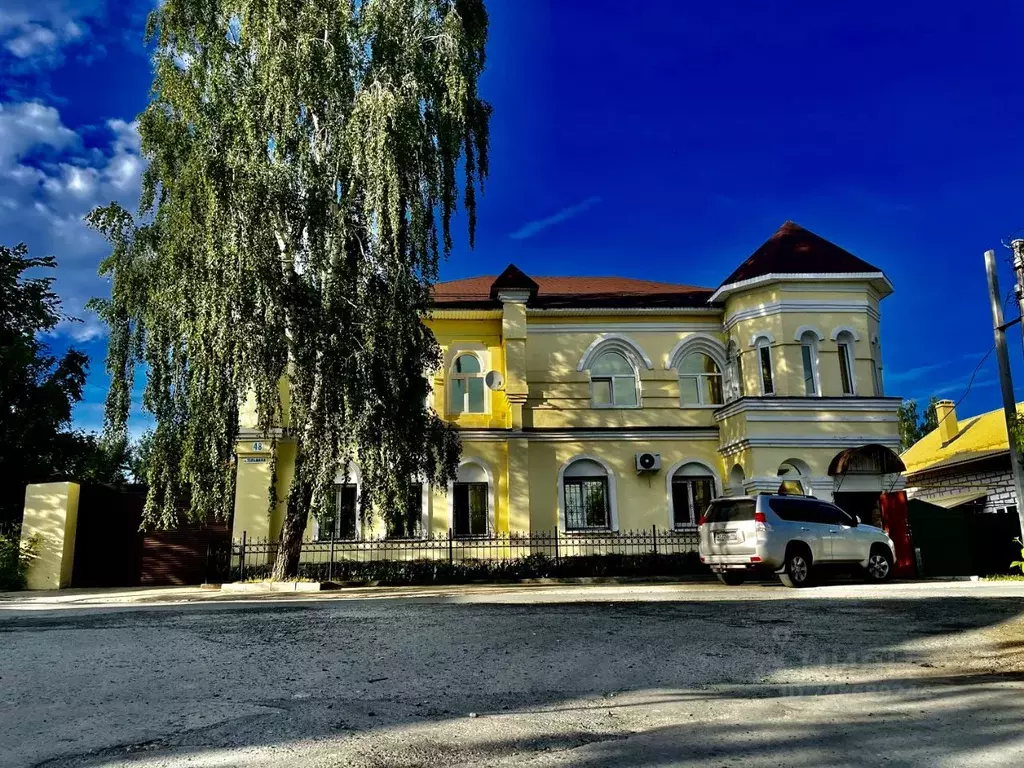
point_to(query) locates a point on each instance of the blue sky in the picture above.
(661, 139)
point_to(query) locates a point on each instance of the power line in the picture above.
(969, 384)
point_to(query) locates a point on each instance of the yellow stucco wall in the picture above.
(543, 416)
(51, 520)
(782, 326)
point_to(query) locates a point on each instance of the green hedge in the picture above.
(403, 572)
(14, 561)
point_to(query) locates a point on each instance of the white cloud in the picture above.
(531, 228)
(49, 181)
(40, 29)
(30, 125)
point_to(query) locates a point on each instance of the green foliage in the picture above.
(537, 566)
(1019, 564)
(15, 558)
(303, 163)
(37, 389)
(912, 427)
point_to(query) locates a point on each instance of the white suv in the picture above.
(791, 535)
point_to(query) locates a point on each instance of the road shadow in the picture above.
(278, 675)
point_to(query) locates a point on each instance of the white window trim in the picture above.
(355, 477)
(490, 494)
(707, 345)
(668, 487)
(424, 513)
(482, 358)
(846, 350)
(803, 329)
(764, 342)
(839, 330)
(619, 342)
(613, 513)
(815, 360)
(626, 348)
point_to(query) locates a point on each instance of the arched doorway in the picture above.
(861, 475)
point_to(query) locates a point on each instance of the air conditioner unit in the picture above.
(648, 462)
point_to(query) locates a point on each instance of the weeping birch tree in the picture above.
(305, 160)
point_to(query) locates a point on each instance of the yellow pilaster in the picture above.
(51, 520)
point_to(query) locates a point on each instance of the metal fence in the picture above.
(448, 557)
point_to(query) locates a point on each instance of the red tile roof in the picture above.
(594, 292)
(791, 250)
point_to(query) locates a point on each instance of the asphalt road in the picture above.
(582, 676)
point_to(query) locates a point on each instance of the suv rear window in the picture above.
(727, 511)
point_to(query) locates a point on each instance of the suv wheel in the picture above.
(797, 572)
(732, 578)
(879, 568)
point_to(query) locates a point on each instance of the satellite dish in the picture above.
(494, 380)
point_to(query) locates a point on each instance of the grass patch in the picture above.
(1004, 577)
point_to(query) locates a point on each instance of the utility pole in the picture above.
(1005, 380)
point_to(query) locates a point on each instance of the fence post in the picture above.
(330, 565)
(654, 533)
(556, 545)
(241, 560)
(449, 545)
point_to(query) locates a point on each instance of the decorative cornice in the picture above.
(808, 441)
(799, 305)
(710, 326)
(514, 296)
(464, 314)
(577, 435)
(620, 312)
(804, 277)
(843, 404)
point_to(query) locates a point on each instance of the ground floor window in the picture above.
(340, 520)
(691, 495)
(586, 503)
(409, 524)
(470, 509)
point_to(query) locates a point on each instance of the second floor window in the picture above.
(700, 381)
(809, 357)
(466, 386)
(844, 345)
(613, 381)
(764, 360)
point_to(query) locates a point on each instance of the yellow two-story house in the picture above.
(610, 404)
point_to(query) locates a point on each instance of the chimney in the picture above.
(945, 412)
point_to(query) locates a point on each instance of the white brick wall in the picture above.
(996, 481)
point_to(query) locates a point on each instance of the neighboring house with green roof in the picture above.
(963, 463)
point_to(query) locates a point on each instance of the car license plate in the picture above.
(724, 537)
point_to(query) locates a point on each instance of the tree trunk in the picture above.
(286, 565)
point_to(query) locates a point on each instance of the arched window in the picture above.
(587, 496)
(793, 474)
(764, 364)
(844, 346)
(736, 478)
(809, 357)
(692, 487)
(472, 501)
(700, 380)
(613, 381)
(466, 385)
